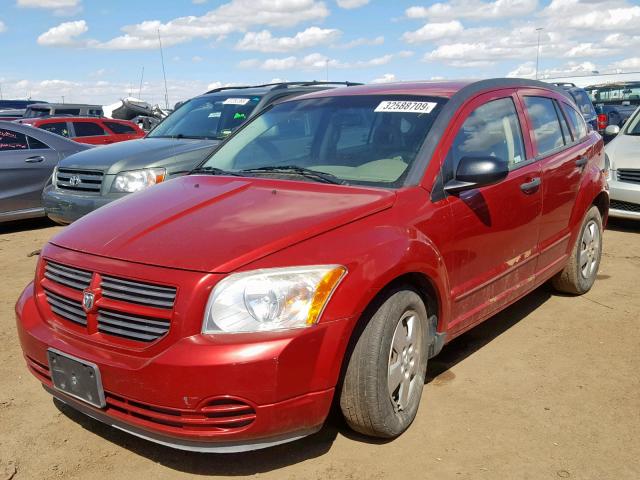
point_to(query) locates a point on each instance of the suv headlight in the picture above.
(271, 299)
(136, 180)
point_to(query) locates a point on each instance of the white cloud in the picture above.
(386, 78)
(232, 17)
(628, 63)
(317, 61)
(434, 31)
(64, 35)
(198, 2)
(104, 92)
(264, 41)
(197, 59)
(584, 50)
(359, 42)
(3, 27)
(528, 70)
(585, 15)
(59, 7)
(474, 9)
(352, 3)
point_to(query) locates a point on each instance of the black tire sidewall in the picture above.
(391, 312)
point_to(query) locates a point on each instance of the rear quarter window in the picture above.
(11, 141)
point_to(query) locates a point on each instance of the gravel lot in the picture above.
(549, 388)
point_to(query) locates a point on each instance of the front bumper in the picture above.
(201, 395)
(65, 207)
(625, 199)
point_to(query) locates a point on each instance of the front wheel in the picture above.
(385, 374)
(581, 270)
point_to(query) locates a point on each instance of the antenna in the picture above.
(141, 77)
(164, 74)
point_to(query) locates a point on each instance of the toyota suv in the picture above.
(323, 253)
(82, 183)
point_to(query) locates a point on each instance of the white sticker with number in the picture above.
(404, 106)
(236, 101)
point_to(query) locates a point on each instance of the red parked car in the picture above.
(91, 130)
(324, 252)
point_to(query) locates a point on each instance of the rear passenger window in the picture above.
(87, 129)
(566, 133)
(546, 125)
(492, 130)
(59, 128)
(12, 141)
(578, 125)
(120, 128)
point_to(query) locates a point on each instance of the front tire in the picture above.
(385, 374)
(581, 270)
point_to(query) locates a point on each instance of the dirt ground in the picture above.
(549, 388)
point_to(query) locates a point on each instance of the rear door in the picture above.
(25, 166)
(121, 131)
(90, 132)
(59, 127)
(563, 154)
(492, 253)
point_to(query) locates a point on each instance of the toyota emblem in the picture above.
(74, 180)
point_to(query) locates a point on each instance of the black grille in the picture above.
(629, 175)
(79, 180)
(68, 276)
(626, 206)
(66, 308)
(138, 292)
(134, 327)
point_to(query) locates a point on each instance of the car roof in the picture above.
(70, 118)
(64, 105)
(445, 89)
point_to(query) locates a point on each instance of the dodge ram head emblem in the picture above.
(74, 180)
(88, 299)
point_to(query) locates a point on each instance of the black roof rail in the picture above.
(280, 85)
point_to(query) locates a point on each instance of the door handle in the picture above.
(581, 162)
(36, 159)
(531, 186)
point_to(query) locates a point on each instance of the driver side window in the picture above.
(491, 130)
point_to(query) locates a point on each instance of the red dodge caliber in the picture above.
(323, 253)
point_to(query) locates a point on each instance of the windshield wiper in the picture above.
(297, 170)
(214, 171)
(180, 136)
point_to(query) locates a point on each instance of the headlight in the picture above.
(608, 172)
(136, 180)
(54, 177)
(271, 299)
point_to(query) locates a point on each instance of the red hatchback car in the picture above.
(91, 130)
(324, 252)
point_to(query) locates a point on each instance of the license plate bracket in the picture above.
(75, 377)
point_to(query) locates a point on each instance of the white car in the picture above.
(623, 153)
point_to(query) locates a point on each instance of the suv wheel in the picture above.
(581, 270)
(385, 375)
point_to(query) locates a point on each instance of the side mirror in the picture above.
(612, 130)
(476, 172)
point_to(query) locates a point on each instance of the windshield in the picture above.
(634, 124)
(210, 117)
(366, 140)
(615, 93)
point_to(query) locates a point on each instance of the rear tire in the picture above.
(581, 270)
(385, 374)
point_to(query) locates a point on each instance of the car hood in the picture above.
(140, 153)
(217, 224)
(624, 151)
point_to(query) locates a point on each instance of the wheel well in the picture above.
(602, 202)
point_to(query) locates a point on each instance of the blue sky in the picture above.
(90, 50)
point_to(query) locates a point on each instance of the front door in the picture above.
(493, 250)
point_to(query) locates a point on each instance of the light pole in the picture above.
(539, 29)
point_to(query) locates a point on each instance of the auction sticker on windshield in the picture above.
(236, 101)
(400, 106)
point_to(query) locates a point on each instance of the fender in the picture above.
(593, 184)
